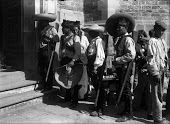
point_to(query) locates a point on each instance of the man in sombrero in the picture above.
(119, 26)
(48, 37)
(96, 56)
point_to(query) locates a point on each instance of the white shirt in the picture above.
(100, 54)
(125, 50)
(84, 44)
(156, 54)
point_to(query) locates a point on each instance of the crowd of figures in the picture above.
(77, 61)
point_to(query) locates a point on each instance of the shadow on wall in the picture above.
(32, 75)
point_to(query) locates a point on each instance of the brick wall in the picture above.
(146, 9)
(146, 12)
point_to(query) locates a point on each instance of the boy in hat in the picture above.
(96, 56)
(157, 57)
(142, 92)
(119, 26)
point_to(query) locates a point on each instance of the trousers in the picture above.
(157, 97)
(126, 95)
(142, 87)
(43, 63)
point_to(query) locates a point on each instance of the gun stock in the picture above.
(127, 74)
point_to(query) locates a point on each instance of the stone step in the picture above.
(9, 89)
(17, 92)
(19, 84)
(11, 76)
(31, 97)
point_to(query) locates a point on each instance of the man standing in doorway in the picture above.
(47, 40)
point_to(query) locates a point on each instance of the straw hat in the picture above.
(45, 16)
(112, 22)
(94, 27)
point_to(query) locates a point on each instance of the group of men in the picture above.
(120, 26)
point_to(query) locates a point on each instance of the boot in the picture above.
(96, 113)
(41, 86)
(74, 104)
(149, 117)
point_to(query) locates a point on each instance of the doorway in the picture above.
(11, 27)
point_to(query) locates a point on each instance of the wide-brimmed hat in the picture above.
(94, 27)
(63, 79)
(112, 22)
(160, 24)
(45, 16)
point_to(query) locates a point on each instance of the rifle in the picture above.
(133, 76)
(51, 59)
(102, 69)
(49, 66)
(127, 74)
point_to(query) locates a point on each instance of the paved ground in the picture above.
(53, 110)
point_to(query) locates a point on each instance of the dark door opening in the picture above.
(12, 46)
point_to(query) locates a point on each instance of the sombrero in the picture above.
(69, 82)
(94, 27)
(45, 16)
(112, 21)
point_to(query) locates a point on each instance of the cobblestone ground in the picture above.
(54, 110)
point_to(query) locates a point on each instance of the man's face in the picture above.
(141, 36)
(42, 24)
(159, 32)
(76, 30)
(121, 29)
(65, 30)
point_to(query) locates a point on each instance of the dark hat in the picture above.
(77, 22)
(64, 22)
(160, 24)
(112, 21)
(94, 27)
(45, 16)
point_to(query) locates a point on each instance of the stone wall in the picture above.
(67, 9)
(70, 10)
